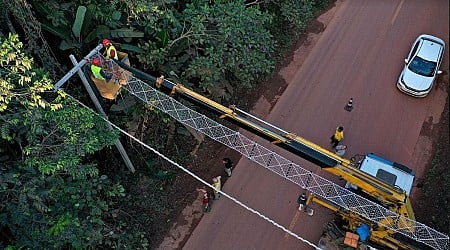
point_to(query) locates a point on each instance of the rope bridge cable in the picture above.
(266, 218)
(287, 169)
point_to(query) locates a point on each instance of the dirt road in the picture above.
(360, 55)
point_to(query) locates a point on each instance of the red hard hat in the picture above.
(106, 42)
(96, 61)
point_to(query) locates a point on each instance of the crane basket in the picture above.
(110, 89)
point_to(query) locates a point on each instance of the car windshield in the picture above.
(422, 67)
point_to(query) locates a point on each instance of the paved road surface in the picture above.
(360, 55)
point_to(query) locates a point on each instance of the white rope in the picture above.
(198, 178)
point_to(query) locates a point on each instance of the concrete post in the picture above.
(99, 108)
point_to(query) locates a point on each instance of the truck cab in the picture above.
(392, 173)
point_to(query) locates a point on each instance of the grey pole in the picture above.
(119, 145)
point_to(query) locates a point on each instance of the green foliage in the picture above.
(152, 55)
(84, 29)
(54, 11)
(23, 19)
(437, 184)
(78, 23)
(238, 48)
(297, 13)
(158, 173)
(28, 82)
(61, 224)
(51, 194)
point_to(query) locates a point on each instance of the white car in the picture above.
(421, 66)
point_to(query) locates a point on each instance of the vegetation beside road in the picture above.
(62, 184)
(434, 202)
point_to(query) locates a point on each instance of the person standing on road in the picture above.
(205, 200)
(228, 165)
(337, 137)
(217, 185)
(301, 201)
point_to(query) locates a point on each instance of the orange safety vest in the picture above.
(111, 52)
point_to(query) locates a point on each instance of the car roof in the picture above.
(430, 49)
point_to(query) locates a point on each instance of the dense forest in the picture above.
(62, 185)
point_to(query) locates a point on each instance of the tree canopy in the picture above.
(50, 189)
(53, 194)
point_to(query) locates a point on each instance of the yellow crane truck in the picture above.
(379, 180)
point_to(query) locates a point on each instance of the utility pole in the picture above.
(99, 108)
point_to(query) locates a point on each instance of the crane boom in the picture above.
(389, 195)
(387, 217)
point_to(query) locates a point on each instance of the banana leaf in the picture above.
(60, 32)
(87, 20)
(119, 33)
(99, 32)
(76, 28)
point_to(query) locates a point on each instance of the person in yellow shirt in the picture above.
(337, 137)
(217, 185)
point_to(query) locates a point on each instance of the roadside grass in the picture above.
(434, 205)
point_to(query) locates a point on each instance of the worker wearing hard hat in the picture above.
(97, 71)
(111, 52)
(337, 137)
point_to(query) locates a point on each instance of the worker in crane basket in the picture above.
(98, 72)
(110, 52)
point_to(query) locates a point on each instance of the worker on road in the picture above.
(337, 137)
(301, 200)
(98, 72)
(217, 185)
(205, 200)
(110, 52)
(228, 165)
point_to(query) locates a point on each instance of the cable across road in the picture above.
(254, 211)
